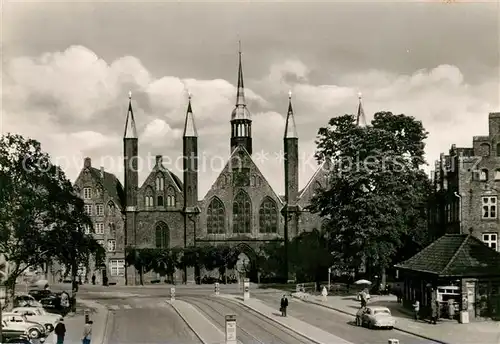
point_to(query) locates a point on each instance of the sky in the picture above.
(67, 69)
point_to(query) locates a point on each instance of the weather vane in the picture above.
(290, 94)
(129, 94)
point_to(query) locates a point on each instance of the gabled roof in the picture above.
(177, 182)
(455, 255)
(313, 178)
(111, 184)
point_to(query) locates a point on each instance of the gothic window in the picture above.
(111, 208)
(162, 235)
(253, 181)
(242, 213)
(268, 216)
(216, 217)
(160, 182)
(148, 198)
(170, 197)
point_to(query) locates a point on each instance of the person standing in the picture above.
(284, 305)
(87, 332)
(93, 279)
(60, 331)
(416, 309)
(434, 312)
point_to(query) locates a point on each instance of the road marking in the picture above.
(127, 306)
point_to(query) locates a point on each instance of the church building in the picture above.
(240, 208)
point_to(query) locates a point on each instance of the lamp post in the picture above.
(459, 210)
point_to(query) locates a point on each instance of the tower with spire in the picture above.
(241, 122)
(190, 174)
(131, 179)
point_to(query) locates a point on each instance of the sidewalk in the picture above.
(446, 331)
(311, 332)
(203, 328)
(74, 323)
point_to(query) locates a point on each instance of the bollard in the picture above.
(246, 289)
(217, 291)
(87, 315)
(172, 293)
(231, 329)
(393, 341)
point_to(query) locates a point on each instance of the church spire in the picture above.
(361, 111)
(130, 129)
(240, 95)
(189, 126)
(290, 127)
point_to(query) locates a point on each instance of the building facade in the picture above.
(240, 208)
(467, 188)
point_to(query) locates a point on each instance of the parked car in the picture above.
(375, 317)
(39, 315)
(39, 294)
(23, 339)
(26, 300)
(21, 323)
(52, 301)
(9, 332)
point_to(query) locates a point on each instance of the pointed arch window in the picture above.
(162, 237)
(242, 213)
(216, 216)
(148, 198)
(111, 208)
(160, 182)
(268, 216)
(170, 197)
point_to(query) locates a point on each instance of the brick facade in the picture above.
(467, 185)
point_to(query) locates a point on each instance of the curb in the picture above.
(101, 310)
(187, 323)
(397, 328)
(274, 320)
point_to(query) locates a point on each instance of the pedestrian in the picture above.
(93, 279)
(87, 332)
(284, 305)
(60, 331)
(363, 296)
(416, 309)
(434, 312)
(451, 309)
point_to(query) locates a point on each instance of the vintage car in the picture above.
(26, 301)
(21, 323)
(10, 332)
(39, 294)
(39, 315)
(375, 317)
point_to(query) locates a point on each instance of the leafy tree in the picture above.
(164, 261)
(310, 257)
(376, 193)
(270, 260)
(140, 259)
(41, 217)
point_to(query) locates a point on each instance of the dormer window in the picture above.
(483, 175)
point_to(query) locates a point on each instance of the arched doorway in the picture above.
(247, 262)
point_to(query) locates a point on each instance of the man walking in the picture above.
(284, 305)
(60, 332)
(87, 332)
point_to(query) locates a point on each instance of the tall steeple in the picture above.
(241, 122)
(361, 111)
(290, 127)
(130, 129)
(189, 125)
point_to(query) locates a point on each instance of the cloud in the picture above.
(75, 103)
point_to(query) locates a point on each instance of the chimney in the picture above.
(159, 160)
(87, 163)
(102, 172)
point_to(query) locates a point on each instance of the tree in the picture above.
(164, 262)
(270, 260)
(141, 259)
(376, 192)
(310, 257)
(39, 208)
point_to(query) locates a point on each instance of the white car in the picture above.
(19, 322)
(39, 315)
(375, 317)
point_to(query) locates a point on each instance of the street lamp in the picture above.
(459, 210)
